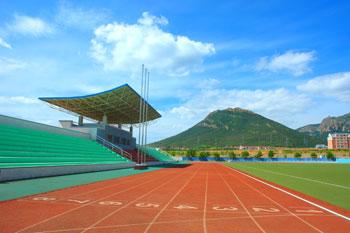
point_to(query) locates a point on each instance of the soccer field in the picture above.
(327, 182)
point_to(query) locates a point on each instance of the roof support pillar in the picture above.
(80, 120)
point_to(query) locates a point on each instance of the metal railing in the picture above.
(114, 147)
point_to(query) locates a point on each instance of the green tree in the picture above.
(271, 154)
(190, 153)
(330, 155)
(216, 156)
(259, 154)
(245, 154)
(313, 155)
(202, 155)
(232, 155)
(297, 155)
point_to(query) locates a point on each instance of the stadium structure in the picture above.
(29, 149)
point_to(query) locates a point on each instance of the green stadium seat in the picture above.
(23, 147)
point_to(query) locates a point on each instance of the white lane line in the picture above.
(267, 197)
(128, 179)
(296, 196)
(179, 221)
(167, 204)
(205, 205)
(240, 202)
(301, 178)
(88, 204)
(131, 202)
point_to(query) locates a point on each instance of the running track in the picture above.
(203, 197)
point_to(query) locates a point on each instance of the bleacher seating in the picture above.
(157, 154)
(24, 147)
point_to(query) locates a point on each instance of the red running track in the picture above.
(203, 197)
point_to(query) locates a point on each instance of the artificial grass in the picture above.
(336, 178)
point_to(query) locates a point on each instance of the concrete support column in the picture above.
(80, 120)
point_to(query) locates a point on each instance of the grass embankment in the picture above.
(327, 182)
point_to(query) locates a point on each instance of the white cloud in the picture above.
(4, 44)
(18, 100)
(29, 26)
(336, 85)
(125, 47)
(296, 63)
(7, 65)
(78, 17)
(209, 83)
(269, 102)
(278, 104)
(149, 20)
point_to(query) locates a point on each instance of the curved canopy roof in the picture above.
(121, 105)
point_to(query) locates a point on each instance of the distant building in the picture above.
(321, 146)
(338, 141)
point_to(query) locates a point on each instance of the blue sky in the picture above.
(286, 60)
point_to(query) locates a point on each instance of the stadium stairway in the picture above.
(134, 154)
(157, 154)
(23, 147)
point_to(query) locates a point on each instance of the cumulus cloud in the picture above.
(269, 102)
(4, 44)
(278, 104)
(8, 65)
(29, 26)
(336, 85)
(296, 63)
(124, 47)
(77, 17)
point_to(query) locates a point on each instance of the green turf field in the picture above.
(327, 182)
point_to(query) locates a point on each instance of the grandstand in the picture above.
(21, 147)
(29, 149)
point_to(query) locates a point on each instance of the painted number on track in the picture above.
(269, 210)
(187, 207)
(44, 198)
(147, 205)
(225, 208)
(114, 203)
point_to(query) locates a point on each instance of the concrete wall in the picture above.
(117, 132)
(38, 126)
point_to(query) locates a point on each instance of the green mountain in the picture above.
(236, 126)
(330, 124)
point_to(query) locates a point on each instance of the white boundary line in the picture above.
(301, 178)
(88, 204)
(205, 204)
(241, 203)
(296, 196)
(170, 201)
(177, 221)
